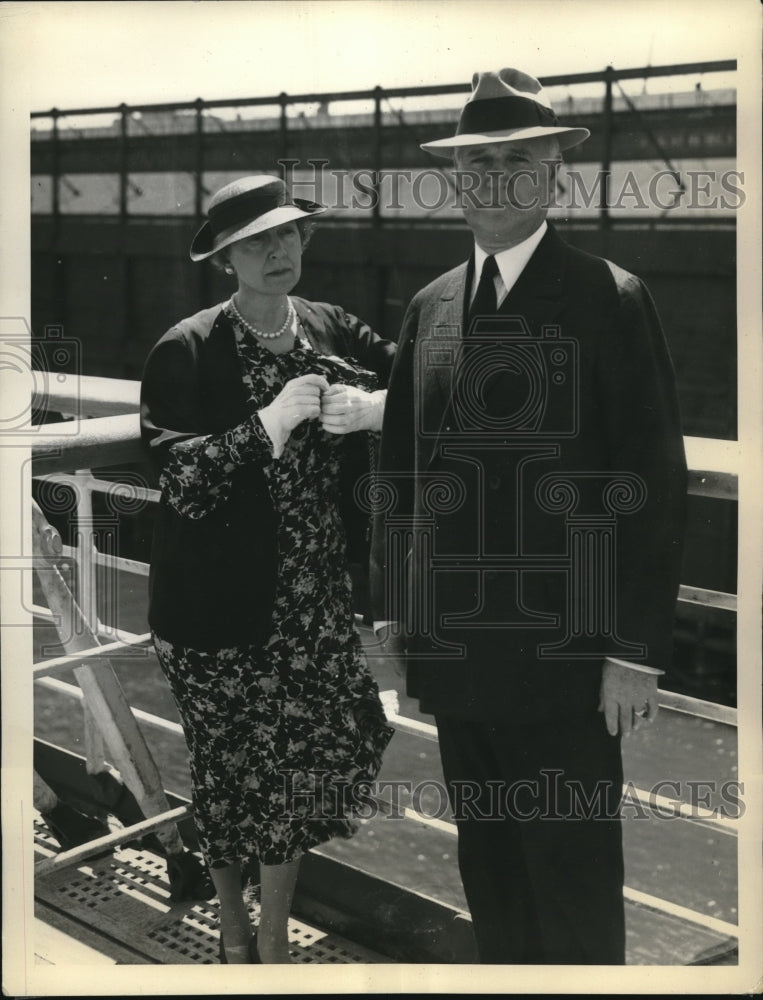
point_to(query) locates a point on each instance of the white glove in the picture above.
(300, 399)
(345, 409)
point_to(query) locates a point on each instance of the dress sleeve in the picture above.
(195, 469)
(367, 346)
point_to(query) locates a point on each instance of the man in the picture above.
(526, 562)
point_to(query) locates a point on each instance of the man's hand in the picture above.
(628, 698)
(392, 647)
(345, 409)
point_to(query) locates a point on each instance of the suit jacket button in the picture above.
(494, 482)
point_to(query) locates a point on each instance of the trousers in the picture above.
(539, 837)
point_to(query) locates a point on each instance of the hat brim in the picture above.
(205, 243)
(566, 135)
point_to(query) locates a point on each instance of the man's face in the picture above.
(506, 189)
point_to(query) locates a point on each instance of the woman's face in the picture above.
(268, 263)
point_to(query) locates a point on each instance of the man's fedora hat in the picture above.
(505, 107)
(245, 207)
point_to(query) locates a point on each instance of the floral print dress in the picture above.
(283, 737)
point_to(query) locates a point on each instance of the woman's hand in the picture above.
(300, 399)
(345, 409)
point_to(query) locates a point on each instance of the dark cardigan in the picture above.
(212, 580)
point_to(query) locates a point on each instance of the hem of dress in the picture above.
(248, 864)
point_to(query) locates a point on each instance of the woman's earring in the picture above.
(228, 269)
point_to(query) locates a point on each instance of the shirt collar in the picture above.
(510, 262)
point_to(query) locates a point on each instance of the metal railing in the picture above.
(112, 437)
(192, 116)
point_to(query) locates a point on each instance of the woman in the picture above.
(245, 409)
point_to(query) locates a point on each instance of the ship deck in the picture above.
(365, 901)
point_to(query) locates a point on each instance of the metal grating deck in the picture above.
(125, 898)
(120, 906)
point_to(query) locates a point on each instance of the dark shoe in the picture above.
(189, 879)
(254, 955)
(72, 828)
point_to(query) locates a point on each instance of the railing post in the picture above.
(59, 286)
(123, 166)
(204, 274)
(378, 94)
(55, 169)
(122, 268)
(606, 156)
(199, 165)
(283, 100)
(379, 250)
(86, 566)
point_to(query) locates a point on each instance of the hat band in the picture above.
(245, 207)
(494, 113)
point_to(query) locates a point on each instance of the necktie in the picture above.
(485, 302)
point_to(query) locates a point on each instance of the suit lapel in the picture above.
(447, 324)
(437, 350)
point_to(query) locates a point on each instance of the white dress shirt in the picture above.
(511, 263)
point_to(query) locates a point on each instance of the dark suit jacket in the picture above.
(550, 463)
(212, 579)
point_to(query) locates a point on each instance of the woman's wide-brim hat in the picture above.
(507, 106)
(245, 207)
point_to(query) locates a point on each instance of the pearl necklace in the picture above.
(262, 333)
